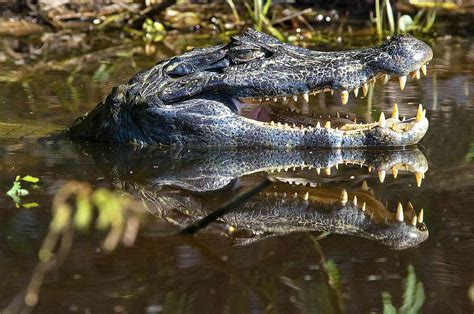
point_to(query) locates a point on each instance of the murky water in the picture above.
(237, 265)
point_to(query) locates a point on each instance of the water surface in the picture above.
(212, 272)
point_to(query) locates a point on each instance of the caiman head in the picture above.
(176, 183)
(199, 98)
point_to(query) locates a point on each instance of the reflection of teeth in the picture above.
(386, 78)
(306, 196)
(420, 216)
(327, 125)
(382, 122)
(295, 98)
(344, 196)
(363, 207)
(355, 200)
(344, 97)
(420, 114)
(395, 111)
(356, 91)
(403, 81)
(414, 220)
(400, 212)
(365, 186)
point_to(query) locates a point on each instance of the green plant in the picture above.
(17, 191)
(154, 30)
(258, 14)
(413, 296)
(423, 20)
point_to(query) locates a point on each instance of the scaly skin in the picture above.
(195, 99)
(292, 204)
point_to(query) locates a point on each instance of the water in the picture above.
(236, 272)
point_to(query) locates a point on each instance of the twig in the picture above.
(227, 207)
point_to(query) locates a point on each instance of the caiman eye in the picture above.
(245, 55)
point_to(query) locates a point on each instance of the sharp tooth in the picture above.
(394, 172)
(272, 122)
(295, 195)
(285, 98)
(386, 78)
(363, 206)
(382, 122)
(410, 207)
(365, 89)
(260, 100)
(420, 216)
(306, 97)
(413, 220)
(365, 186)
(417, 74)
(294, 125)
(369, 168)
(318, 171)
(355, 200)
(318, 125)
(400, 212)
(275, 99)
(344, 97)
(279, 123)
(420, 114)
(327, 171)
(286, 124)
(327, 125)
(306, 196)
(284, 194)
(395, 114)
(295, 98)
(356, 91)
(381, 174)
(332, 91)
(403, 119)
(337, 114)
(267, 99)
(344, 196)
(423, 69)
(275, 194)
(403, 81)
(419, 178)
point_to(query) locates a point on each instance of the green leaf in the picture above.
(30, 179)
(388, 307)
(30, 205)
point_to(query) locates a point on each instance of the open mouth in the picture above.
(267, 111)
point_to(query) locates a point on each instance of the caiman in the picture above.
(176, 185)
(198, 98)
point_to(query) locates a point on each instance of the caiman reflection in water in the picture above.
(176, 185)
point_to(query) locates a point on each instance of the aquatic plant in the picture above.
(423, 20)
(413, 296)
(17, 191)
(73, 208)
(258, 14)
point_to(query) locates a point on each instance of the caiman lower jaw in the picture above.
(344, 94)
(385, 132)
